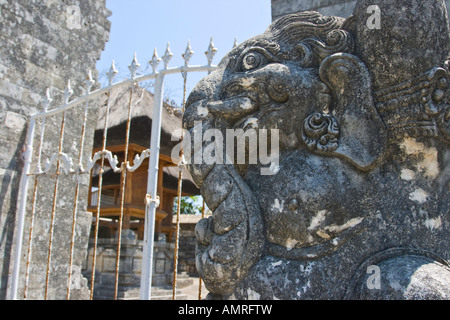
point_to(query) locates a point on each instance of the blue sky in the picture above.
(142, 25)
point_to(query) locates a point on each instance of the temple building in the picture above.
(134, 184)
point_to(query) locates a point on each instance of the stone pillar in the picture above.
(340, 8)
(44, 44)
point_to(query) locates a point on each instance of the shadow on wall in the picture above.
(9, 183)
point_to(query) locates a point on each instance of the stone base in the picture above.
(129, 267)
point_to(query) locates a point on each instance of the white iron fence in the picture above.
(44, 181)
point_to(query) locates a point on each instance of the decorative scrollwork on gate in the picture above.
(113, 162)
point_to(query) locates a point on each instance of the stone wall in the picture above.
(130, 267)
(186, 249)
(340, 8)
(43, 44)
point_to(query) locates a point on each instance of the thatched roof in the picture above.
(141, 119)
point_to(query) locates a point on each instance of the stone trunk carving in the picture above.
(356, 205)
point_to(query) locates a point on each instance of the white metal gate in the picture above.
(59, 164)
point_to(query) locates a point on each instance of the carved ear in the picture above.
(362, 133)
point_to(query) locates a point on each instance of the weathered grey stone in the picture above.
(405, 275)
(44, 43)
(340, 8)
(129, 277)
(362, 177)
(421, 26)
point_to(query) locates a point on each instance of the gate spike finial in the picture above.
(134, 66)
(89, 82)
(67, 92)
(167, 56)
(188, 53)
(111, 73)
(210, 53)
(47, 100)
(155, 61)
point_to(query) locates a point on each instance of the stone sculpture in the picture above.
(358, 204)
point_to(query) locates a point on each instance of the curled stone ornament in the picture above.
(321, 133)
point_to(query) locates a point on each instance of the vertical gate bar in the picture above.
(97, 218)
(22, 199)
(177, 235)
(200, 279)
(55, 195)
(33, 210)
(47, 102)
(30, 237)
(179, 192)
(99, 196)
(122, 200)
(152, 184)
(75, 206)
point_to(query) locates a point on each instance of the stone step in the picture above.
(166, 294)
(106, 292)
(184, 282)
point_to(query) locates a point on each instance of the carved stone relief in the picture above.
(361, 177)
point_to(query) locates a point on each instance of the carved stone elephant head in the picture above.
(359, 166)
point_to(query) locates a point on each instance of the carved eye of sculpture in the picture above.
(252, 60)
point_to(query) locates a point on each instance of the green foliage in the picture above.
(188, 205)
